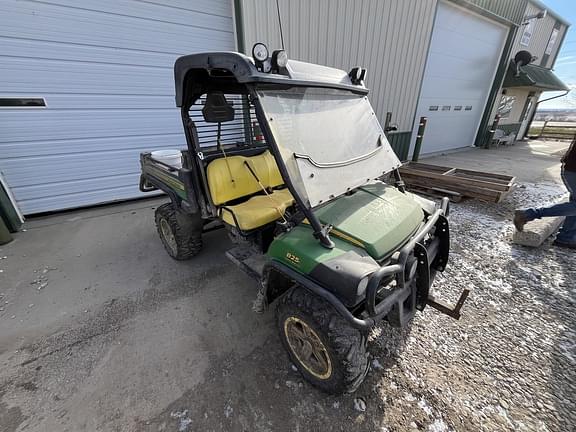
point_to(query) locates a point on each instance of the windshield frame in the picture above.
(320, 232)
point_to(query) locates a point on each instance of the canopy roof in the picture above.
(242, 69)
(533, 76)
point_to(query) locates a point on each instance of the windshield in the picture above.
(330, 140)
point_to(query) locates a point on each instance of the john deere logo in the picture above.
(293, 258)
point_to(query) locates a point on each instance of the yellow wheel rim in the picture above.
(308, 348)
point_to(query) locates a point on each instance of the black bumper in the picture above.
(414, 269)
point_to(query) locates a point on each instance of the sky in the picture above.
(565, 66)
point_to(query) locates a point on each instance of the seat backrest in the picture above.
(229, 178)
(498, 133)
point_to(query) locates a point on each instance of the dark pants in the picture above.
(568, 232)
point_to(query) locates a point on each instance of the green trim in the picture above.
(533, 76)
(239, 21)
(504, 11)
(400, 143)
(482, 134)
(169, 180)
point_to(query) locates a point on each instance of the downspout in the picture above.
(239, 26)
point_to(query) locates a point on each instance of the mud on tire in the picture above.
(181, 242)
(344, 345)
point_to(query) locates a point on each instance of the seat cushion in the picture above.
(229, 178)
(258, 210)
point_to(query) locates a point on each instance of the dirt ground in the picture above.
(101, 331)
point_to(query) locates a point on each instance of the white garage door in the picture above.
(104, 68)
(464, 54)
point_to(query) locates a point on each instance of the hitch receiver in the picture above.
(454, 311)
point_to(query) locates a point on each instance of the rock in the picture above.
(376, 365)
(536, 232)
(360, 404)
(504, 404)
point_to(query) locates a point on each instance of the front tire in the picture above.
(181, 241)
(328, 352)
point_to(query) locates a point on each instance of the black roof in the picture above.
(244, 71)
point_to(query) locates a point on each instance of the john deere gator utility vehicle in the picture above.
(290, 159)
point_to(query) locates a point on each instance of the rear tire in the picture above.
(328, 352)
(180, 242)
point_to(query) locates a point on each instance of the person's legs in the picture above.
(567, 209)
(567, 234)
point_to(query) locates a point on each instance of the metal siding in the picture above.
(511, 10)
(390, 38)
(105, 69)
(540, 35)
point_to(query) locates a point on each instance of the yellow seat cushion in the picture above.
(230, 179)
(258, 210)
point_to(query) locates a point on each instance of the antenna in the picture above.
(280, 24)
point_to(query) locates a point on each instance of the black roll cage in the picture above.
(205, 204)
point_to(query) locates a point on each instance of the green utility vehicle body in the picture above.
(290, 159)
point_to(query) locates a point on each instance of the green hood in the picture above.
(377, 217)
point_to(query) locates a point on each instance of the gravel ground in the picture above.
(183, 352)
(509, 363)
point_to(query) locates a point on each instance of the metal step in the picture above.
(249, 260)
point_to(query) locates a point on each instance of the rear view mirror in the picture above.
(217, 109)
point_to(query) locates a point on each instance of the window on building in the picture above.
(505, 107)
(551, 42)
(527, 34)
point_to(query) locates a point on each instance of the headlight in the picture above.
(260, 52)
(279, 59)
(362, 285)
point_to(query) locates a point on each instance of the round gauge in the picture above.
(260, 52)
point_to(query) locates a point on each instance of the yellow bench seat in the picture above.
(259, 210)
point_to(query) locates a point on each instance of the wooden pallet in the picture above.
(480, 185)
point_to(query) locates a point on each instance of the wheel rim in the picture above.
(168, 235)
(308, 348)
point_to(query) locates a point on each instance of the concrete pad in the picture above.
(536, 232)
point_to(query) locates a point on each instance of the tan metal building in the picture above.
(443, 59)
(518, 96)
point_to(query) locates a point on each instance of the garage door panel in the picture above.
(69, 168)
(150, 11)
(461, 46)
(450, 89)
(48, 148)
(99, 101)
(85, 198)
(105, 69)
(23, 48)
(37, 192)
(79, 26)
(35, 75)
(70, 124)
(209, 6)
(459, 23)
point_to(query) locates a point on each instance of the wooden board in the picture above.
(481, 185)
